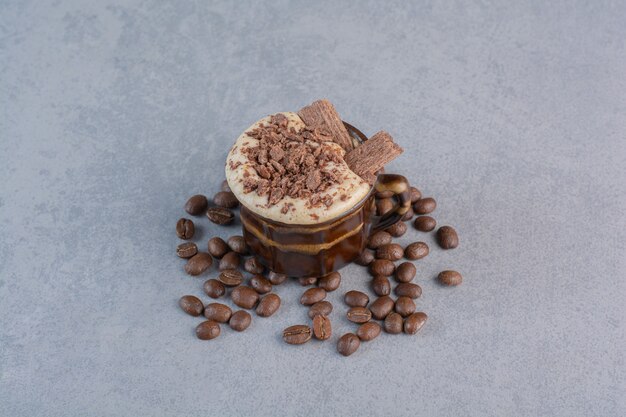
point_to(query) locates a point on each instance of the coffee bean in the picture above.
(425, 223)
(384, 194)
(384, 206)
(447, 237)
(297, 335)
(225, 199)
(186, 250)
(218, 312)
(244, 297)
(397, 229)
(268, 305)
(414, 322)
(214, 289)
(260, 284)
(253, 266)
(276, 278)
(330, 282)
(365, 258)
(425, 205)
(225, 186)
(451, 278)
(208, 330)
(381, 285)
(220, 215)
(198, 263)
(348, 344)
(196, 204)
(408, 289)
(185, 229)
(415, 194)
(322, 308)
(322, 329)
(231, 277)
(405, 272)
(312, 296)
(355, 298)
(240, 320)
(191, 305)
(381, 307)
(408, 215)
(359, 315)
(217, 247)
(405, 306)
(231, 260)
(238, 244)
(306, 281)
(382, 267)
(378, 239)
(416, 250)
(390, 251)
(393, 323)
(368, 331)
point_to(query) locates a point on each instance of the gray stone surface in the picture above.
(512, 115)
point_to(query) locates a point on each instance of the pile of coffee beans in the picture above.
(244, 280)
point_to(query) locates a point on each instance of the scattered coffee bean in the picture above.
(297, 335)
(393, 323)
(382, 267)
(390, 251)
(225, 199)
(416, 250)
(225, 186)
(220, 215)
(359, 315)
(238, 244)
(378, 239)
(231, 277)
(384, 194)
(405, 272)
(253, 265)
(312, 296)
(306, 281)
(208, 330)
(384, 206)
(260, 284)
(240, 320)
(365, 258)
(408, 289)
(451, 278)
(381, 285)
(268, 305)
(330, 282)
(217, 247)
(231, 260)
(408, 215)
(381, 307)
(198, 263)
(348, 344)
(276, 278)
(368, 331)
(415, 194)
(447, 237)
(322, 329)
(244, 297)
(191, 305)
(414, 322)
(322, 308)
(355, 298)
(218, 312)
(425, 223)
(185, 229)
(186, 250)
(397, 229)
(214, 289)
(196, 204)
(405, 306)
(425, 205)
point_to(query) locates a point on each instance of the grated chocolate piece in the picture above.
(324, 119)
(372, 155)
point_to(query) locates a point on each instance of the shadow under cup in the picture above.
(319, 249)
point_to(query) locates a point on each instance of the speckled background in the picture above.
(512, 115)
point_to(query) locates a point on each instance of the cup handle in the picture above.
(399, 186)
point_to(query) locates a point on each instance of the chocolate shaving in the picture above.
(324, 119)
(372, 155)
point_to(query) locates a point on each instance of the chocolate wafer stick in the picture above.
(322, 114)
(372, 155)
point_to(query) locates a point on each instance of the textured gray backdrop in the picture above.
(512, 115)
